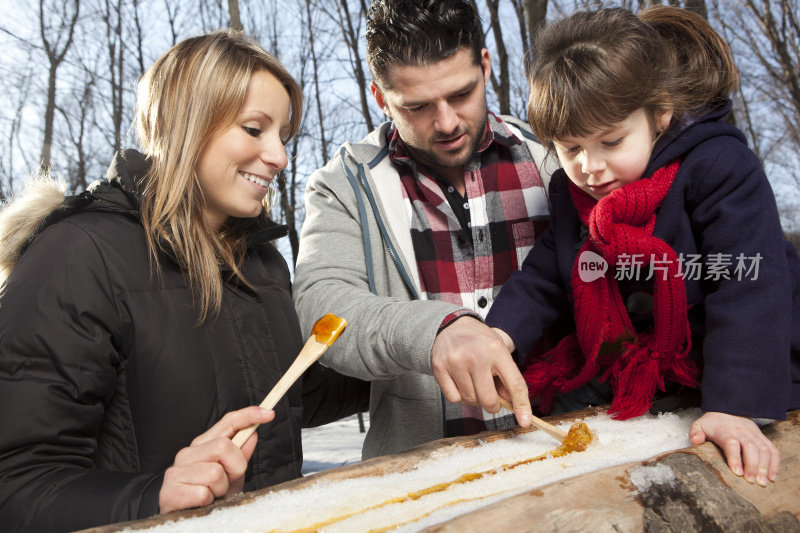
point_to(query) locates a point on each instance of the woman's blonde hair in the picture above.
(594, 68)
(197, 87)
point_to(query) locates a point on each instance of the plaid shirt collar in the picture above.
(495, 132)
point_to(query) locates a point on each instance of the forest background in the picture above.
(69, 70)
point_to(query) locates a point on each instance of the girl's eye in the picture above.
(253, 132)
(571, 150)
(615, 142)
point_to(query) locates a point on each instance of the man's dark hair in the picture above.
(419, 32)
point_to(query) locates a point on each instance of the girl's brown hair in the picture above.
(197, 87)
(593, 69)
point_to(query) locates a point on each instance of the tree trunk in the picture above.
(501, 81)
(55, 58)
(351, 38)
(536, 15)
(698, 6)
(315, 73)
(233, 12)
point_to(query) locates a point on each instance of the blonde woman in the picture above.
(139, 319)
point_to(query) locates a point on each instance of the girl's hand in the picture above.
(748, 452)
(212, 466)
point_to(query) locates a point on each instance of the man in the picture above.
(410, 233)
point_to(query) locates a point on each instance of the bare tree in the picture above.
(535, 16)
(780, 58)
(56, 41)
(78, 121)
(22, 85)
(350, 34)
(500, 80)
(112, 18)
(233, 12)
(315, 78)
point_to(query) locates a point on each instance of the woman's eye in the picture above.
(253, 132)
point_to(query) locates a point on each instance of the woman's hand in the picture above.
(748, 452)
(212, 466)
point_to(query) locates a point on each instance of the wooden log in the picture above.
(703, 494)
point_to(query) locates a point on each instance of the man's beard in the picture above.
(431, 158)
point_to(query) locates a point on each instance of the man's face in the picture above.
(439, 109)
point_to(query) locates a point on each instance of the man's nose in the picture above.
(446, 118)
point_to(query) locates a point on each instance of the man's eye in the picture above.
(253, 132)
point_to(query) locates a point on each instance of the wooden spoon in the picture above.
(326, 330)
(556, 433)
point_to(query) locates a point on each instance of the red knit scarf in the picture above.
(605, 344)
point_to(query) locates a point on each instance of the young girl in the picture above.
(664, 268)
(140, 318)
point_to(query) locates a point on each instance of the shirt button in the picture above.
(466, 205)
(450, 189)
(482, 302)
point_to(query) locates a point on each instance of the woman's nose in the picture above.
(274, 155)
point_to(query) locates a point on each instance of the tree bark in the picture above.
(233, 12)
(501, 81)
(536, 15)
(55, 57)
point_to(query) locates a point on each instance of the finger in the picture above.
(486, 390)
(696, 434)
(774, 462)
(182, 496)
(463, 379)
(221, 450)
(448, 386)
(767, 454)
(232, 422)
(209, 476)
(733, 455)
(514, 383)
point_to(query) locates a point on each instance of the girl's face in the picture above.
(240, 160)
(613, 157)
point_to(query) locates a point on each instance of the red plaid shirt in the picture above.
(507, 210)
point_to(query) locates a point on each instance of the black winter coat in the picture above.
(105, 375)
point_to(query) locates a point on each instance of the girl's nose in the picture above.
(591, 163)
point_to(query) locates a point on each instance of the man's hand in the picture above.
(473, 366)
(748, 452)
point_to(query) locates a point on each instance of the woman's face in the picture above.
(615, 156)
(241, 159)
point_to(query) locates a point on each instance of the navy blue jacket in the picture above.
(746, 332)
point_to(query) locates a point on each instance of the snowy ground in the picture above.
(332, 445)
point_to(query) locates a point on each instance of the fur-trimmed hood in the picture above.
(44, 201)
